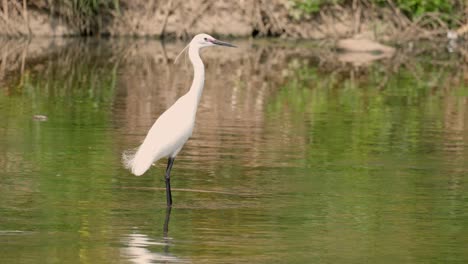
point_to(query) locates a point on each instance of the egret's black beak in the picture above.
(222, 43)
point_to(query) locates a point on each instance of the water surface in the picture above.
(294, 159)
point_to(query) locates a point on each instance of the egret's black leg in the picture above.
(170, 162)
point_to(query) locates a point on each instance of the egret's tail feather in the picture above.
(137, 160)
(128, 156)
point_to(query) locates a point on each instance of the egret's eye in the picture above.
(205, 39)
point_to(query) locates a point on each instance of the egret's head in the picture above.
(205, 40)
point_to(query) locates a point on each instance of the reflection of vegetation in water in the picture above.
(364, 146)
(328, 159)
(352, 121)
(73, 77)
(356, 111)
(56, 161)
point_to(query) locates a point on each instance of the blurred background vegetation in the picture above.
(85, 15)
(412, 8)
(257, 18)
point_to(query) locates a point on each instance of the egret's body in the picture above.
(167, 136)
(174, 127)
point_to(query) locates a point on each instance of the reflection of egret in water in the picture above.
(166, 229)
(137, 247)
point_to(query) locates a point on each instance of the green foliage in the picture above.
(312, 6)
(301, 8)
(415, 8)
(412, 8)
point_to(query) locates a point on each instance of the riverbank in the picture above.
(277, 18)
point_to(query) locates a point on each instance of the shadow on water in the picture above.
(294, 157)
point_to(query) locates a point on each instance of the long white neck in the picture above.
(198, 73)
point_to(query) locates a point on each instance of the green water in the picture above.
(290, 161)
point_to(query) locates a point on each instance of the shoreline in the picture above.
(175, 20)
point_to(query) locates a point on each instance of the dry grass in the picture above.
(181, 19)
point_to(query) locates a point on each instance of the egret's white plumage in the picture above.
(167, 135)
(173, 128)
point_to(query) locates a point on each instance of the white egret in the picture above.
(174, 127)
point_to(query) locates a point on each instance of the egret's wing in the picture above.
(155, 146)
(168, 134)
